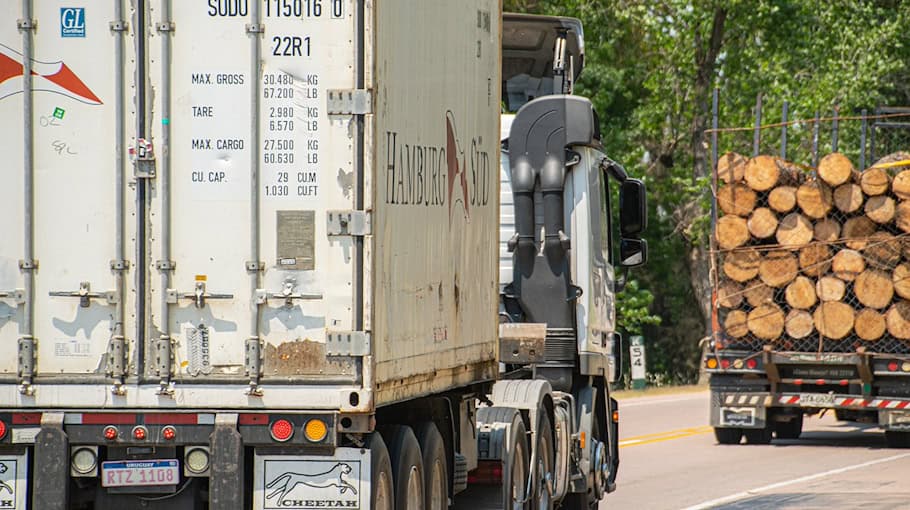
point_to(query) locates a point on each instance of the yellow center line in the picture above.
(664, 436)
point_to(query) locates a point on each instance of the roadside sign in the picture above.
(637, 357)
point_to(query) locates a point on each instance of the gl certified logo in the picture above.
(72, 22)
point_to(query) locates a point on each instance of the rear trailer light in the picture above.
(281, 430)
(84, 460)
(711, 363)
(315, 430)
(197, 460)
(892, 366)
(169, 433)
(111, 432)
(140, 433)
(751, 364)
(2, 429)
(725, 363)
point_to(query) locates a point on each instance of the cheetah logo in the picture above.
(286, 483)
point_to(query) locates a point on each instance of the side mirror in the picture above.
(633, 252)
(633, 208)
(615, 371)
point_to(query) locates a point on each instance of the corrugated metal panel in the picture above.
(436, 215)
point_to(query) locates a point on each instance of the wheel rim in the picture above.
(518, 477)
(543, 494)
(437, 496)
(384, 492)
(415, 491)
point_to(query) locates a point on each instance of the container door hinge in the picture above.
(347, 343)
(349, 102)
(348, 223)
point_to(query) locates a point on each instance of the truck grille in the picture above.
(560, 345)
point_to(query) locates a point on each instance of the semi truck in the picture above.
(810, 317)
(257, 255)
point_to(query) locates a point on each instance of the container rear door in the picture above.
(73, 131)
(248, 124)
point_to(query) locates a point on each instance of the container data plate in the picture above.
(140, 473)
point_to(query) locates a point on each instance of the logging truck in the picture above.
(811, 292)
(256, 255)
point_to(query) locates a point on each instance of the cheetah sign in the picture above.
(312, 483)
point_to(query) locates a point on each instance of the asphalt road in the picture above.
(670, 460)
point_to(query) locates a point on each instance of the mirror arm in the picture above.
(613, 168)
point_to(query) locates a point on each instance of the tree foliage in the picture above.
(650, 69)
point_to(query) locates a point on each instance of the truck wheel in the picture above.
(897, 439)
(758, 436)
(407, 467)
(789, 429)
(436, 477)
(515, 475)
(543, 499)
(382, 494)
(728, 435)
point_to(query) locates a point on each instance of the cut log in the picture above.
(742, 265)
(834, 319)
(898, 320)
(848, 264)
(875, 181)
(873, 288)
(731, 167)
(829, 288)
(762, 173)
(826, 230)
(763, 223)
(732, 232)
(835, 169)
(902, 216)
(801, 293)
(737, 199)
(880, 209)
(900, 277)
(729, 294)
(799, 324)
(778, 268)
(869, 324)
(794, 231)
(856, 232)
(757, 293)
(766, 321)
(883, 250)
(894, 157)
(782, 199)
(901, 185)
(848, 197)
(735, 324)
(814, 199)
(815, 260)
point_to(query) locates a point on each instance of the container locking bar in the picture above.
(85, 295)
(199, 295)
(287, 294)
(17, 295)
(348, 223)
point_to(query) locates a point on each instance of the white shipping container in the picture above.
(316, 217)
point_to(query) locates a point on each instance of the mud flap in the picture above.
(52, 467)
(226, 479)
(304, 482)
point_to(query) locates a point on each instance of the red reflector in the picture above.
(169, 433)
(725, 363)
(488, 472)
(26, 418)
(171, 418)
(253, 419)
(798, 382)
(2, 429)
(282, 430)
(892, 366)
(140, 433)
(844, 382)
(115, 418)
(820, 382)
(751, 363)
(111, 432)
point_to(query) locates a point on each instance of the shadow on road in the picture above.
(815, 501)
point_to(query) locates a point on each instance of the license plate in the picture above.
(139, 473)
(816, 400)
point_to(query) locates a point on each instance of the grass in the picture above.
(662, 390)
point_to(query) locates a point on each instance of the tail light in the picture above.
(111, 432)
(725, 363)
(169, 433)
(751, 363)
(281, 430)
(892, 366)
(140, 433)
(2, 429)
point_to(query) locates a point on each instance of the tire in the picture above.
(407, 467)
(542, 499)
(515, 474)
(897, 439)
(758, 436)
(789, 429)
(382, 494)
(436, 473)
(728, 435)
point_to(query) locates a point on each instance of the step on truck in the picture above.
(810, 316)
(256, 255)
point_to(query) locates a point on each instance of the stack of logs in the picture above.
(809, 253)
